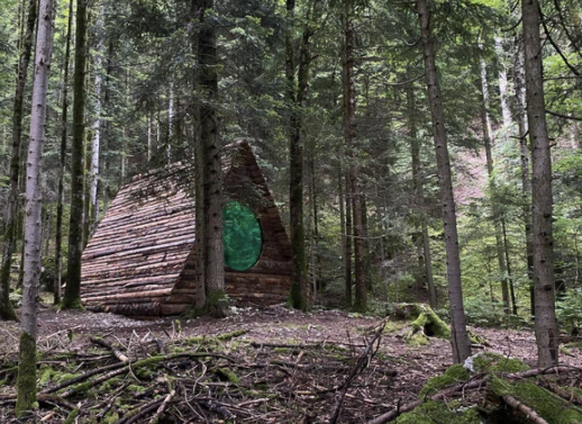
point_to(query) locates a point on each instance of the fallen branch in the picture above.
(116, 352)
(530, 414)
(81, 378)
(473, 384)
(363, 360)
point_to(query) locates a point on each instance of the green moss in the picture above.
(231, 335)
(46, 374)
(477, 339)
(392, 327)
(111, 418)
(549, 406)
(226, 374)
(64, 376)
(437, 413)
(494, 362)
(134, 388)
(68, 303)
(418, 339)
(26, 375)
(110, 384)
(71, 417)
(432, 324)
(454, 374)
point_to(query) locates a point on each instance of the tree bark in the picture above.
(296, 93)
(210, 139)
(352, 187)
(349, 236)
(497, 218)
(345, 239)
(546, 325)
(72, 297)
(11, 232)
(32, 239)
(419, 195)
(524, 168)
(459, 337)
(96, 142)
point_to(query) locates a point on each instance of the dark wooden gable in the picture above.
(140, 260)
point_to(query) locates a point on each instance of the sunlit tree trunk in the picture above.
(345, 238)
(546, 325)
(11, 226)
(72, 297)
(32, 238)
(96, 142)
(459, 337)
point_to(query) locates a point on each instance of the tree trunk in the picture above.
(352, 188)
(345, 239)
(317, 284)
(32, 239)
(296, 93)
(545, 322)
(487, 134)
(72, 297)
(10, 232)
(57, 292)
(459, 338)
(419, 194)
(524, 167)
(348, 237)
(210, 139)
(96, 142)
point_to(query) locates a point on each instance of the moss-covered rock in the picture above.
(438, 413)
(454, 374)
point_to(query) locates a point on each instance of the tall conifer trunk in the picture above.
(524, 170)
(545, 323)
(32, 238)
(459, 337)
(497, 218)
(62, 162)
(296, 93)
(352, 187)
(211, 153)
(72, 297)
(96, 141)
(419, 194)
(11, 232)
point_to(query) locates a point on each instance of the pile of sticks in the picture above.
(207, 379)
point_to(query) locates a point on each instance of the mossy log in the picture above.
(526, 400)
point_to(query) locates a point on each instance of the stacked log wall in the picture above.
(141, 261)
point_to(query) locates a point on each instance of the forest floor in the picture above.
(257, 365)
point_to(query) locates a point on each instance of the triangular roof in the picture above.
(142, 245)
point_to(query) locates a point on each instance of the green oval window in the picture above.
(241, 237)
